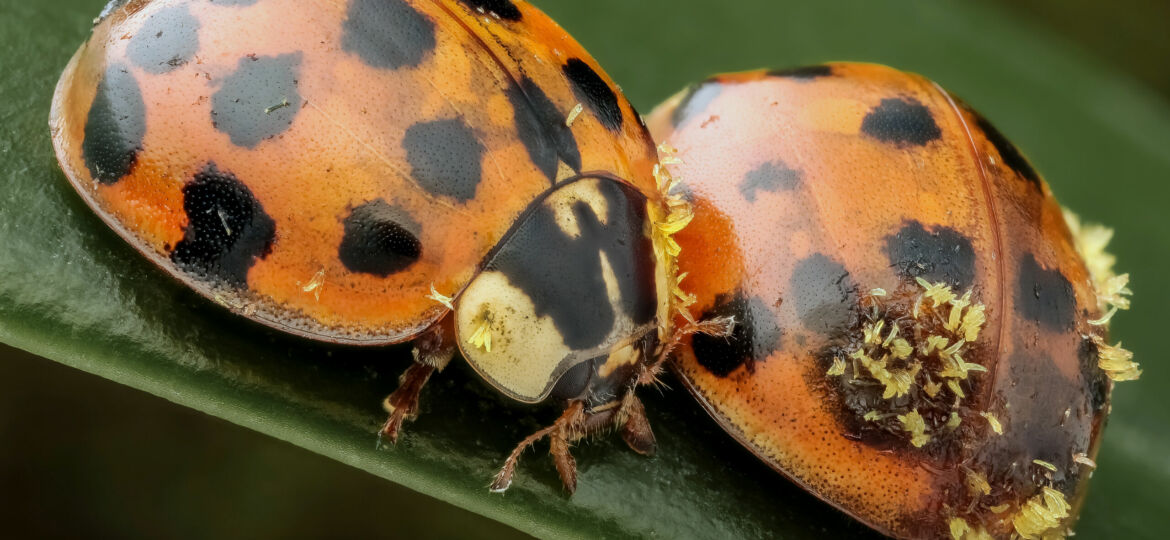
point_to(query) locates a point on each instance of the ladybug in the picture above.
(460, 175)
(919, 331)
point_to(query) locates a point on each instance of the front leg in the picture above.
(432, 352)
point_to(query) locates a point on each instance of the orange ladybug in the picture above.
(459, 174)
(919, 338)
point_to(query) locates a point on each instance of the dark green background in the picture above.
(1081, 86)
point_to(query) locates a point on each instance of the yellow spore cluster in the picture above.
(961, 530)
(1112, 292)
(1042, 516)
(927, 353)
(668, 221)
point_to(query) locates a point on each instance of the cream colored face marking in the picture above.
(527, 351)
(562, 205)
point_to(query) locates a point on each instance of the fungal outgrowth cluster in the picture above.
(910, 369)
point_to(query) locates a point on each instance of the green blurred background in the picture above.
(82, 456)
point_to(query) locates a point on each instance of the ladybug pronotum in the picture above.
(921, 331)
(457, 174)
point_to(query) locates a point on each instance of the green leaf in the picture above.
(71, 291)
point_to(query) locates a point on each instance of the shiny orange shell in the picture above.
(322, 167)
(836, 209)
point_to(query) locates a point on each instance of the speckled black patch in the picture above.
(387, 34)
(695, 101)
(901, 121)
(168, 39)
(771, 176)
(590, 88)
(1007, 151)
(379, 239)
(504, 9)
(823, 295)
(754, 337)
(445, 158)
(542, 129)
(259, 100)
(227, 229)
(562, 275)
(1045, 296)
(1096, 381)
(114, 127)
(939, 254)
(805, 73)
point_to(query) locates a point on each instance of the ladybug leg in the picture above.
(568, 428)
(636, 427)
(432, 351)
(718, 326)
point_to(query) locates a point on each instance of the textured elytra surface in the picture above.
(89, 302)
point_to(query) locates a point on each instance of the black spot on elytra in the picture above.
(1007, 151)
(695, 101)
(754, 337)
(806, 73)
(562, 274)
(901, 121)
(1045, 296)
(259, 100)
(168, 39)
(1036, 426)
(1096, 382)
(541, 127)
(379, 239)
(445, 158)
(227, 229)
(114, 127)
(590, 88)
(387, 34)
(505, 9)
(939, 254)
(771, 176)
(823, 295)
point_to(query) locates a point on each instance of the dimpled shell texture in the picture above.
(319, 166)
(821, 196)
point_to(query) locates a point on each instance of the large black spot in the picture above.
(806, 73)
(1008, 152)
(542, 129)
(445, 158)
(1096, 382)
(562, 274)
(1045, 296)
(227, 229)
(168, 39)
(590, 88)
(505, 9)
(754, 337)
(114, 127)
(770, 176)
(387, 34)
(940, 254)
(379, 239)
(901, 121)
(695, 101)
(259, 100)
(823, 295)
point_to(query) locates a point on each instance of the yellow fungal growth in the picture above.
(1085, 460)
(954, 420)
(1042, 515)
(1045, 464)
(877, 292)
(838, 367)
(913, 423)
(940, 293)
(1116, 361)
(993, 422)
(977, 483)
(482, 337)
(573, 114)
(961, 530)
(440, 298)
(668, 219)
(973, 321)
(315, 283)
(871, 416)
